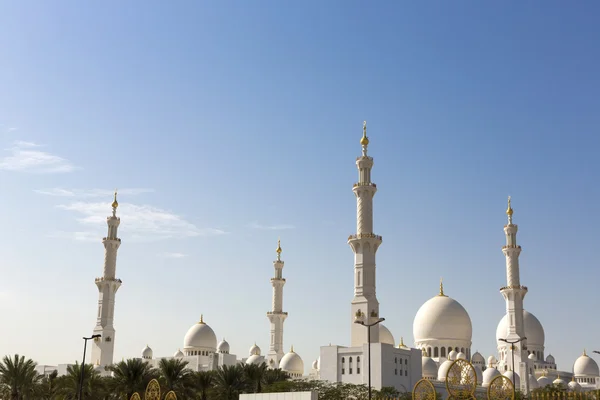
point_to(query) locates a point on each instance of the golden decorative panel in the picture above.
(424, 390)
(461, 380)
(135, 396)
(501, 388)
(152, 390)
(171, 396)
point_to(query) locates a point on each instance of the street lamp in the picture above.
(359, 320)
(512, 352)
(85, 340)
(596, 351)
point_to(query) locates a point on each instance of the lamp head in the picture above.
(96, 336)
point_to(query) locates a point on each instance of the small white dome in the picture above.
(315, 364)
(550, 359)
(255, 359)
(492, 361)
(559, 382)
(461, 356)
(385, 336)
(574, 386)
(544, 381)
(429, 367)
(533, 330)
(147, 352)
(223, 347)
(178, 354)
(489, 374)
(532, 357)
(443, 370)
(477, 358)
(516, 380)
(533, 383)
(254, 350)
(585, 366)
(292, 363)
(200, 336)
(452, 355)
(442, 318)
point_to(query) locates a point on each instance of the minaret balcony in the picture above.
(278, 280)
(102, 279)
(511, 246)
(364, 184)
(107, 238)
(519, 287)
(365, 236)
(277, 313)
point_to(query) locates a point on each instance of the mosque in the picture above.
(442, 328)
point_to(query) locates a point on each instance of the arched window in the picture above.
(435, 352)
(350, 365)
(443, 352)
(343, 360)
(358, 365)
(395, 360)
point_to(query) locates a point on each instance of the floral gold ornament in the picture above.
(152, 390)
(135, 396)
(501, 388)
(461, 380)
(424, 390)
(171, 396)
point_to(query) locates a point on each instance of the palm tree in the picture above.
(254, 375)
(19, 374)
(229, 382)
(175, 376)
(49, 386)
(275, 375)
(131, 376)
(92, 383)
(203, 381)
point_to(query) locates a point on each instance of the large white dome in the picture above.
(585, 366)
(442, 318)
(534, 332)
(292, 363)
(385, 336)
(200, 336)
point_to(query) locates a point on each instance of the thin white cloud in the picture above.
(26, 158)
(279, 227)
(91, 193)
(139, 222)
(173, 255)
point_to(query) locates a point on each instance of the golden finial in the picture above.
(115, 203)
(364, 140)
(584, 353)
(509, 210)
(401, 345)
(292, 349)
(201, 319)
(278, 248)
(442, 288)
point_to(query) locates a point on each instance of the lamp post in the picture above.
(512, 352)
(359, 320)
(82, 368)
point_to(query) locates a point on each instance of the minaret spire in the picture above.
(514, 294)
(442, 288)
(108, 284)
(277, 316)
(364, 244)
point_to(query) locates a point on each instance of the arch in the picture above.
(436, 352)
(443, 352)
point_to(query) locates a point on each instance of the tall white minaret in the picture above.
(276, 315)
(514, 294)
(103, 347)
(364, 245)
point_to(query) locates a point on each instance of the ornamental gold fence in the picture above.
(153, 393)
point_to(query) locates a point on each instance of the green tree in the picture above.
(255, 377)
(68, 385)
(275, 375)
(49, 386)
(19, 375)
(175, 376)
(229, 382)
(131, 376)
(203, 383)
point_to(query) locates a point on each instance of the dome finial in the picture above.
(292, 349)
(584, 353)
(402, 345)
(442, 288)
(364, 141)
(115, 203)
(509, 211)
(201, 319)
(278, 249)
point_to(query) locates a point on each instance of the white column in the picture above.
(364, 244)
(277, 316)
(103, 347)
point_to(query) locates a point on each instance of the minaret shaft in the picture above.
(277, 316)
(103, 347)
(364, 244)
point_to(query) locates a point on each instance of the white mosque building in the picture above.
(442, 328)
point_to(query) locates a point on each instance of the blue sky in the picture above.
(230, 124)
